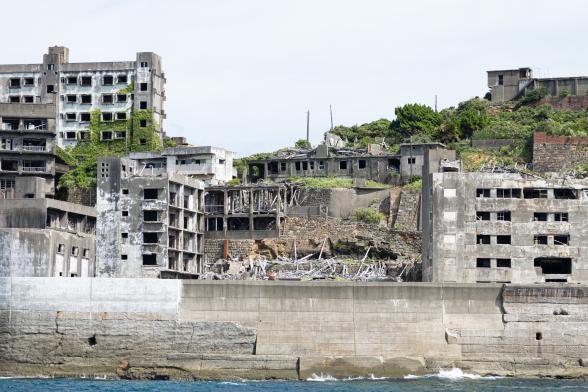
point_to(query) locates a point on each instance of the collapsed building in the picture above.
(371, 163)
(150, 222)
(44, 237)
(510, 84)
(503, 227)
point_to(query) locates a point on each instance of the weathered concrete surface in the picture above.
(158, 329)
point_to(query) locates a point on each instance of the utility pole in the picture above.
(435, 103)
(331, 111)
(308, 126)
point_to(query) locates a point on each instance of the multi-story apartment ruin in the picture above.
(150, 222)
(44, 237)
(505, 227)
(213, 165)
(509, 84)
(372, 163)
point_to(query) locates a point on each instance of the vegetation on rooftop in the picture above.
(332, 182)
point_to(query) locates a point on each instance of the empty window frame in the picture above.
(122, 79)
(61, 248)
(70, 135)
(121, 97)
(540, 216)
(121, 116)
(565, 193)
(14, 83)
(143, 123)
(561, 240)
(150, 259)
(343, 165)
(107, 80)
(50, 88)
(214, 224)
(106, 135)
(482, 215)
(150, 238)
(540, 239)
(143, 105)
(321, 165)
(86, 99)
(482, 239)
(107, 116)
(107, 99)
(14, 99)
(304, 165)
(85, 117)
(143, 86)
(125, 213)
(482, 192)
(482, 263)
(297, 166)
(86, 80)
(503, 216)
(411, 161)
(150, 193)
(71, 80)
(75, 250)
(150, 216)
(124, 235)
(361, 164)
(534, 193)
(554, 265)
(70, 117)
(560, 217)
(282, 166)
(71, 98)
(84, 135)
(120, 134)
(503, 239)
(503, 263)
(28, 99)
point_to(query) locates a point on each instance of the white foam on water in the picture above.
(231, 383)
(321, 378)
(454, 374)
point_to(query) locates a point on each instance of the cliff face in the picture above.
(157, 329)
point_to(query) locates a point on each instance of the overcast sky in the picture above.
(242, 73)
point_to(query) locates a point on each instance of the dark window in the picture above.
(70, 116)
(143, 86)
(482, 263)
(150, 216)
(86, 81)
(71, 98)
(150, 238)
(121, 97)
(86, 98)
(150, 193)
(143, 105)
(143, 123)
(14, 99)
(554, 265)
(503, 215)
(108, 80)
(481, 215)
(122, 79)
(150, 259)
(533, 193)
(29, 99)
(282, 166)
(125, 191)
(538, 336)
(411, 161)
(107, 98)
(106, 116)
(540, 216)
(124, 235)
(343, 165)
(481, 192)
(560, 217)
(71, 80)
(123, 257)
(482, 239)
(142, 142)
(297, 166)
(321, 165)
(561, 239)
(15, 83)
(121, 116)
(125, 213)
(503, 263)
(503, 239)
(361, 164)
(106, 135)
(540, 239)
(304, 165)
(50, 88)
(85, 117)
(500, 80)
(565, 193)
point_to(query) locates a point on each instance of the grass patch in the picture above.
(332, 182)
(367, 215)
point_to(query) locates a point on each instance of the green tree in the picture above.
(302, 143)
(414, 119)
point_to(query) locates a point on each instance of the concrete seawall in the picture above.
(148, 328)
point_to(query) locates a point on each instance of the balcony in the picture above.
(34, 148)
(34, 169)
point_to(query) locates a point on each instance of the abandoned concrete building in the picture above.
(150, 222)
(244, 212)
(558, 153)
(506, 85)
(213, 165)
(372, 163)
(115, 89)
(505, 227)
(44, 237)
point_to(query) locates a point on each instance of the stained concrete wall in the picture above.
(148, 328)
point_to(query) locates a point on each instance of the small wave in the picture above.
(455, 374)
(231, 383)
(321, 378)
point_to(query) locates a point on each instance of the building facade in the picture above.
(113, 92)
(41, 237)
(150, 223)
(213, 165)
(505, 227)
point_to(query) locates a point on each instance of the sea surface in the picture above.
(450, 380)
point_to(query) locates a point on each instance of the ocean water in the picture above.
(450, 380)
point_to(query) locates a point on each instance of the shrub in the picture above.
(367, 215)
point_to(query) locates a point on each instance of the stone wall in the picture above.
(576, 103)
(161, 329)
(86, 197)
(408, 214)
(556, 153)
